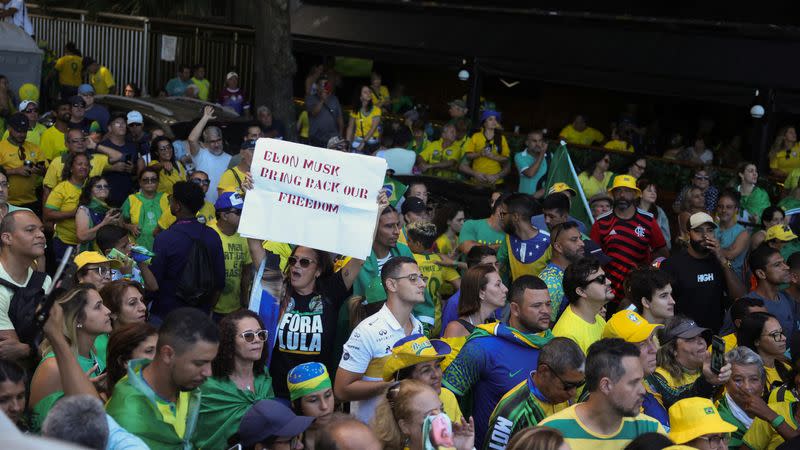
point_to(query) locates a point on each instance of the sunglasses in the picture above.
(304, 262)
(601, 279)
(568, 386)
(702, 177)
(149, 180)
(30, 111)
(102, 187)
(250, 336)
(201, 182)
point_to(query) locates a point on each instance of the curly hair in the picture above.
(69, 159)
(121, 344)
(223, 364)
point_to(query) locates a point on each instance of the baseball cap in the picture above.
(85, 258)
(229, 200)
(24, 104)
(687, 329)
(415, 205)
(459, 103)
(135, 117)
(489, 113)
(412, 350)
(700, 218)
(693, 417)
(599, 197)
(629, 326)
(19, 122)
(561, 187)
(625, 181)
(780, 232)
(249, 144)
(231, 75)
(85, 89)
(307, 378)
(77, 100)
(269, 418)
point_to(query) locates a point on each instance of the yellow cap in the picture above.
(625, 181)
(693, 417)
(780, 232)
(412, 350)
(629, 326)
(85, 258)
(560, 187)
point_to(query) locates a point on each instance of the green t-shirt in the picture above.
(479, 230)
(149, 211)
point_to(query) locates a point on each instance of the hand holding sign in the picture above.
(316, 198)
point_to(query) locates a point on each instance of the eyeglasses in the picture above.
(102, 187)
(250, 336)
(304, 262)
(201, 181)
(165, 147)
(599, 279)
(568, 385)
(413, 278)
(715, 440)
(104, 272)
(776, 336)
(149, 180)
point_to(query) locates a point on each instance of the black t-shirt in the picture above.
(121, 183)
(698, 288)
(307, 331)
(276, 131)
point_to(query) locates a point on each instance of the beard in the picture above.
(622, 203)
(508, 228)
(698, 247)
(623, 411)
(574, 257)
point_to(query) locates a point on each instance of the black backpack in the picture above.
(196, 282)
(23, 305)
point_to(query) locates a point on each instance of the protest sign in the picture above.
(314, 197)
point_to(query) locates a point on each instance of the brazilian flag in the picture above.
(394, 190)
(561, 170)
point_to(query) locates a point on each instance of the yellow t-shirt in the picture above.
(53, 143)
(477, 143)
(21, 189)
(237, 255)
(786, 161)
(167, 180)
(579, 436)
(761, 435)
(383, 95)
(304, 124)
(676, 383)
(591, 186)
(102, 81)
(64, 197)
(616, 144)
(437, 276)
(445, 246)
(229, 183)
(363, 123)
(586, 137)
(34, 135)
(450, 405)
(434, 153)
(203, 86)
(99, 164)
(773, 379)
(69, 69)
(175, 414)
(570, 325)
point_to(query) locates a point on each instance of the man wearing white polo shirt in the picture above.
(359, 379)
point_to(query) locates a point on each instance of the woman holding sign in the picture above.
(309, 310)
(363, 129)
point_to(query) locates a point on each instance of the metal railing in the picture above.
(130, 46)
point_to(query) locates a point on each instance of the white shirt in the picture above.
(214, 166)
(400, 160)
(20, 18)
(366, 351)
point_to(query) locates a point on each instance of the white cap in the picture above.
(24, 104)
(135, 117)
(231, 75)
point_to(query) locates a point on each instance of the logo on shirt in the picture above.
(613, 233)
(346, 356)
(705, 277)
(639, 230)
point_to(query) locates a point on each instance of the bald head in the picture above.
(346, 433)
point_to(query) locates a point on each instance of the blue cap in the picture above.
(229, 200)
(248, 144)
(489, 113)
(85, 89)
(270, 419)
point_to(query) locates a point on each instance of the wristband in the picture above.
(776, 422)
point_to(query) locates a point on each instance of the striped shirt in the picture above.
(578, 436)
(520, 408)
(628, 242)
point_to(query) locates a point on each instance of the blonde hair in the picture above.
(396, 405)
(73, 303)
(536, 438)
(779, 143)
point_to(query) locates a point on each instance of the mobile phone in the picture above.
(717, 353)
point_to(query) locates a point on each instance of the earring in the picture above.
(80, 325)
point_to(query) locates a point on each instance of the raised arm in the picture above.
(197, 131)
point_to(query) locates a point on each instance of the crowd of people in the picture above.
(526, 329)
